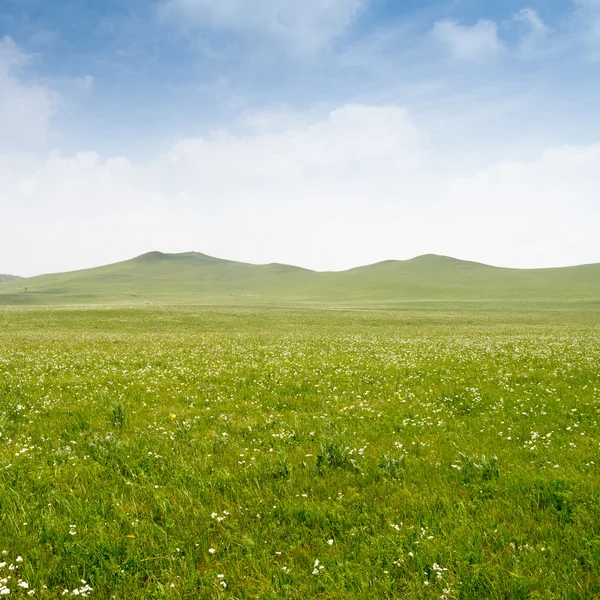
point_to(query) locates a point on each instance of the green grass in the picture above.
(194, 278)
(4, 278)
(436, 450)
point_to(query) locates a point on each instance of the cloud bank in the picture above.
(327, 188)
(361, 184)
(465, 42)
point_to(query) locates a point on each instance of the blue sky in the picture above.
(113, 113)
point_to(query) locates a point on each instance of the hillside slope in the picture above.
(197, 278)
(4, 278)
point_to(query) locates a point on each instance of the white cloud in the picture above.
(469, 42)
(530, 17)
(305, 25)
(531, 37)
(360, 185)
(587, 26)
(25, 107)
(535, 35)
(536, 213)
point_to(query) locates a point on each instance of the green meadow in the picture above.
(433, 450)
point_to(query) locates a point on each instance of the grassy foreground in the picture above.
(263, 453)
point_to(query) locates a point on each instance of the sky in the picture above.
(324, 133)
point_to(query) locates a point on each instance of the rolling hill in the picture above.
(4, 278)
(195, 278)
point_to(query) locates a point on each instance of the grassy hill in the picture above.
(4, 278)
(197, 278)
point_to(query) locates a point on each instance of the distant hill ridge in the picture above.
(196, 278)
(4, 278)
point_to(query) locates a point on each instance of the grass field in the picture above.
(431, 451)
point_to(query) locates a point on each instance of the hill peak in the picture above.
(440, 260)
(434, 257)
(151, 256)
(156, 256)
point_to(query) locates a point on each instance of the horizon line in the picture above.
(361, 266)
